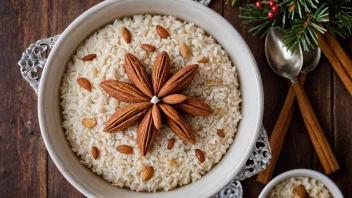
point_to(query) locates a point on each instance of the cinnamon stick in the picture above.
(278, 135)
(340, 53)
(316, 134)
(325, 48)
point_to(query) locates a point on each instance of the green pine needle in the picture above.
(233, 2)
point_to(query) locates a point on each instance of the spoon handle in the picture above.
(278, 135)
(316, 134)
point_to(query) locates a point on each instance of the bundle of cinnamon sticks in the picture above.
(342, 64)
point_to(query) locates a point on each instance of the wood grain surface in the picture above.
(26, 170)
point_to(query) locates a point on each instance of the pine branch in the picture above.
(301, 7)
(301, 19)
(250, 14)
(302, 32)
(340, 18)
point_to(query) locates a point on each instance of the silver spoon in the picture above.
(289, 65)
(311, 59)
(310, 62)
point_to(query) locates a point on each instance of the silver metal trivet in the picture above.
(231, 190)
(259, 158)
(257, 162)
(32, 60)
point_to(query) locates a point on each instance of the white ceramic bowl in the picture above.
(104, 13)
(331, 186)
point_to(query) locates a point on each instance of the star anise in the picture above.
(150, 97)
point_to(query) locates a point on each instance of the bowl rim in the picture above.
(41, 98)
(330, 185)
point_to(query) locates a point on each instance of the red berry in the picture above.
(258, 4)
(272, 3)
(275, 8)
(271, 15)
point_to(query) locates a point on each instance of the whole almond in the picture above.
(171, 143)
(138, 75)
(185, 52)
(148, 173)
(126, 35)
(95, 152)
(220, 133)
(85, 84)
(123, 91)
(179, 80)
(182, 128)
(195, 106)
(126, 116)
(169, 111)
(160, 71)
(89, 57)
(124, 149)
(148, 48)
(146, 133)
(164, 34)
(174, 99)
(200, 155)
(89, 123)
(171, 162)
(203, 60)
(156, 116)
(301, 191)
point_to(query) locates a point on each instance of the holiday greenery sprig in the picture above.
(302, 34)
(340, 22)
(300, 19)
(263, 15)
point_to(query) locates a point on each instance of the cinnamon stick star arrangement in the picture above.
(152, 97)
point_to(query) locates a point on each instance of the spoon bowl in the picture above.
(311, 59)
(282, 61)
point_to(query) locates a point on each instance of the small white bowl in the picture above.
(330, 185)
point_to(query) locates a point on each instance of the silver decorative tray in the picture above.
(32, 61)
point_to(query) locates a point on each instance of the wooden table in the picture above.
(26, 168)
